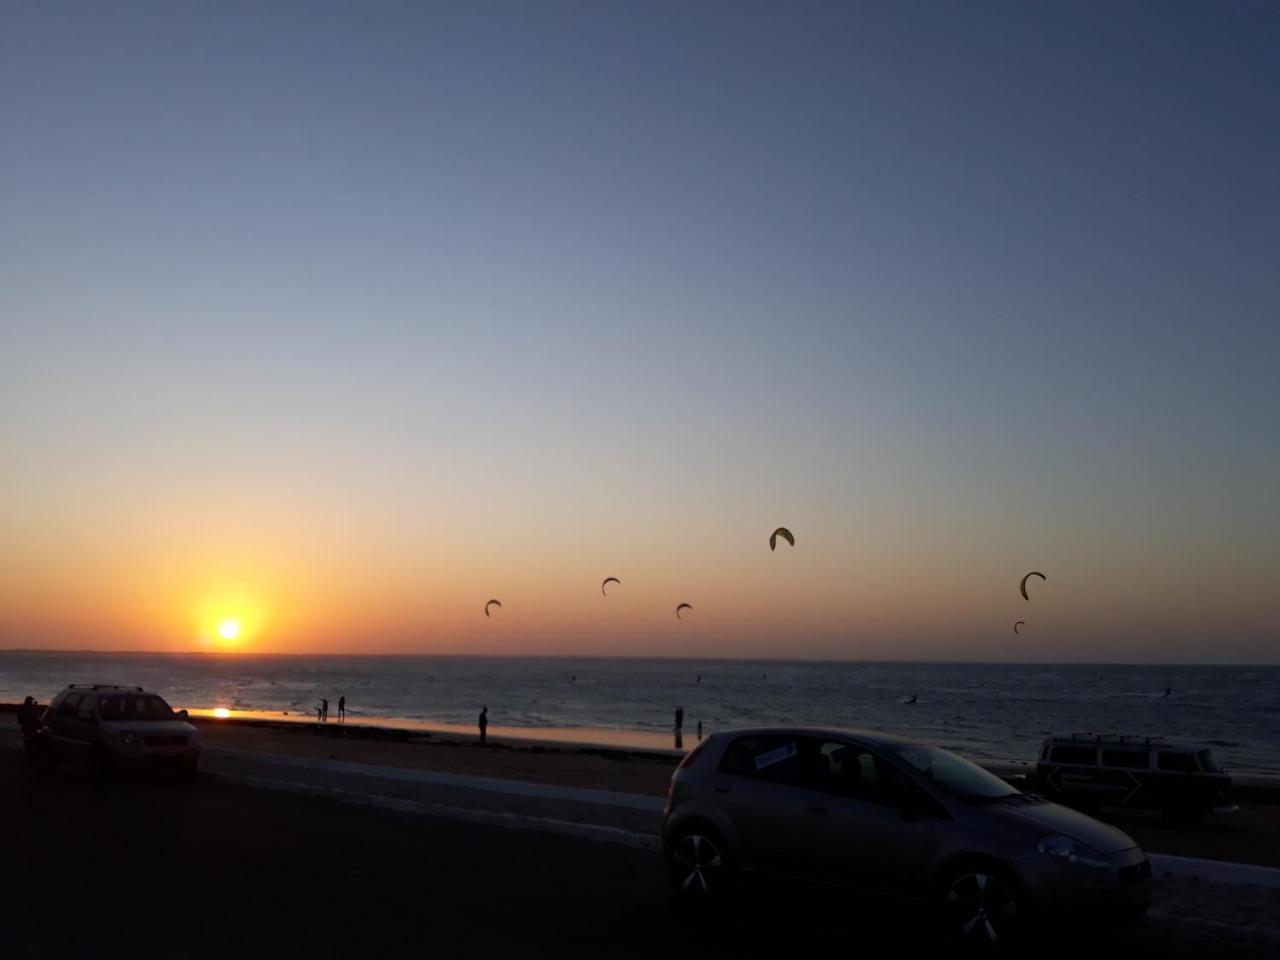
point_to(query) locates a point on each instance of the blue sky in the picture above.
(953, 287)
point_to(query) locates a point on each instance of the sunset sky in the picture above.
(337, 320)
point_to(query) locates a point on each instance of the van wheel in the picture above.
(698, 865)
(984, 910)
(1179, 816)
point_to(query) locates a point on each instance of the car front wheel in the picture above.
(984, 911)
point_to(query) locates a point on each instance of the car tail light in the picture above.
(692, 755)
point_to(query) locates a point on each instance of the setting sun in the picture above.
(229, 629)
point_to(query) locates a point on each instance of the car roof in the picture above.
(872, 738)
(103, 688)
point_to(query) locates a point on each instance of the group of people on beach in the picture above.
(322, 710)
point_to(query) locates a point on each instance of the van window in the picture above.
(1207, 761)
(1177, 762)
(1126, 759)
(774, 759)
(1085, 755)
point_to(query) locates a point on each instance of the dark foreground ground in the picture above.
(208, 869)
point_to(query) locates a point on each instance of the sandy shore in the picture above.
(601, 768)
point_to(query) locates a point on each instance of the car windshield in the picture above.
(955, 774)
(133, 706)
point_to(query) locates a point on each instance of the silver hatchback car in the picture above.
(893, 816)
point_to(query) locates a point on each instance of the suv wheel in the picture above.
(983, 910)
(698, 865)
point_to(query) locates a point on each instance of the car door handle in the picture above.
(818, 808)
(720, 790)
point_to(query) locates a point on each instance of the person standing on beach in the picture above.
(324, 710)
(342, 709)
(484, 724)
(699, 731)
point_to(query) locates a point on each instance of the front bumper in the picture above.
(1121, 891)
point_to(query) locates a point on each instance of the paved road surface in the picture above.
(209, 869)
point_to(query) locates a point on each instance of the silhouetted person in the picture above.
(342, 709)
(484, 724)
(699, 730)
(1167, 691)
(324, 710)
(27, 715)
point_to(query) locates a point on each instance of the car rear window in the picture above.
(1086, 755)
(1126, 759)
(1177, 762)
(775, 759)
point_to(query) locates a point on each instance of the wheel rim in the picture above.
(983, 909)
(698, 864)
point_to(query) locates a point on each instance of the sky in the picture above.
(334, 321)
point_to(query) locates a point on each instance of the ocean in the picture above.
(984, 711)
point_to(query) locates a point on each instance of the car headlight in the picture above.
(1073, 851)
(130, 738)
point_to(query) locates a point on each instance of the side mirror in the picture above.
(181, 714)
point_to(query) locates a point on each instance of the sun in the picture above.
(229, 629)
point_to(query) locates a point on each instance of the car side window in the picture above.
(846, 771)
(1177, 762)
(1126, 759)
(70, 706)
(774, 759)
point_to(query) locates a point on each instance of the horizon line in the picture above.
(575, 656)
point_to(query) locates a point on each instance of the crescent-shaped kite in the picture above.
(491, 603)
(1023, 586)
(785, 534)
(1020, 623)
(683, 606)
(608, 580)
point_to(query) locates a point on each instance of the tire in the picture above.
(699, 866)
(984, 911)
(1181, 816)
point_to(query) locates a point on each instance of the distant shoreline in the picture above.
(252, 654)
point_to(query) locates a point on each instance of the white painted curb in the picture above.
(1214, 871)
(518, 821)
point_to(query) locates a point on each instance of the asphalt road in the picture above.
(208, 869)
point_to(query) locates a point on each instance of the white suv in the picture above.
(114, 727)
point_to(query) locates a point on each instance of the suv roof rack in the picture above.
(103, 686)
(1112, 739)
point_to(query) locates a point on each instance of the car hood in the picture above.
(142, 727)
(1055, 818)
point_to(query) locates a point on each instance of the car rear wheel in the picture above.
(984, 911)
(699, 866)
